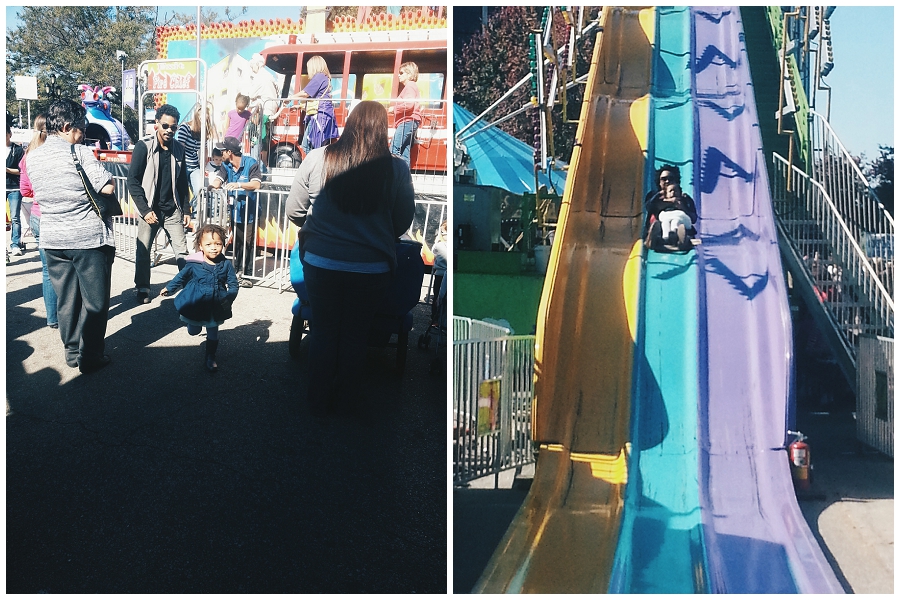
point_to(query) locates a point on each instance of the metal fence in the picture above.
(865, 217)
(847, 281)
(125, 229)
(493, 384)
(428, 156)
(875, 393)
(275, 234)
(465, 328)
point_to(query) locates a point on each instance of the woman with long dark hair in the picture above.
(353, 199)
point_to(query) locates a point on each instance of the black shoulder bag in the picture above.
(105, 205)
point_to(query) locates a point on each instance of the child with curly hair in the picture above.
(209, 285)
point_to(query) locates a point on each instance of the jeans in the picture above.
(82, 280)
(50, 298)
(174, 226)
(305, 144)
(342, 306)
(15, 207)
(404, 138)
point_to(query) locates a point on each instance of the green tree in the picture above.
(881, 175)
(497, 57)
(78, 44)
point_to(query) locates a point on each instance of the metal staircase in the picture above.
(871, 225)
(828, 258)
(836, 238)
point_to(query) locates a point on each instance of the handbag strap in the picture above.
(88, 188)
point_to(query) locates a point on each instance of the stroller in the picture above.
(393, 314)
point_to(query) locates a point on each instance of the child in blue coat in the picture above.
(210, 287)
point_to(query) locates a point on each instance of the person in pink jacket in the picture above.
(407, 112)
(40, 126)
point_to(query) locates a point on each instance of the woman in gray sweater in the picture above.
(352, 199)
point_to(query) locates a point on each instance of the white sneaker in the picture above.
(15, 251)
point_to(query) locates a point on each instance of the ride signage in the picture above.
(129, 77)
(171, 76)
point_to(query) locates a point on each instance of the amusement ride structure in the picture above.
(664, 395)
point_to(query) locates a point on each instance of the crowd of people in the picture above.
(351, 198)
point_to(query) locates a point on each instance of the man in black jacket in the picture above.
(158, 183)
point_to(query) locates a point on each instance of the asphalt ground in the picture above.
(155, 476)
(849, 508)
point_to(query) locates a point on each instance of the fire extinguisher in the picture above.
(801, 461)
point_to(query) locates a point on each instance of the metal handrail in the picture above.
(835, 140)
(846, 280)
(845, 184)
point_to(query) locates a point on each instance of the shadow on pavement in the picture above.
(154, 476)
(480, 519)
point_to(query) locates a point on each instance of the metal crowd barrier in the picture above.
(492, 392)
(430, 213)
(465, 328)
(275, 234)
(125, 229)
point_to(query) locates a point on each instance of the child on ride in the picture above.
(407, 112)
(236, 119)
(674, 218)
(210, 287)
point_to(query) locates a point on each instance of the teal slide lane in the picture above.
(661, 547)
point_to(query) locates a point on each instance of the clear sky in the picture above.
(862, 82)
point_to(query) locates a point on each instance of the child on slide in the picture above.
(672, 215)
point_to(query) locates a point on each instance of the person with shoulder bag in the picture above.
(78, 244)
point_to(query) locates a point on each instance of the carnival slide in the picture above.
(674, 375)
(660, 547)
(564, 536)
(756, 538)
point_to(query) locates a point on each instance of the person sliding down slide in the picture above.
(671, 215)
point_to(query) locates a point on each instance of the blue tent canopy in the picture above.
(502, 161)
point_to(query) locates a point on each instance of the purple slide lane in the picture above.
(757, 539)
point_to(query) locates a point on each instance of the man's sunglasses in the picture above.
(166, 126)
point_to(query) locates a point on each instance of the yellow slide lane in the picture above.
(564, 537)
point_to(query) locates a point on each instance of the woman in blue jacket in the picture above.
(210, 287)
